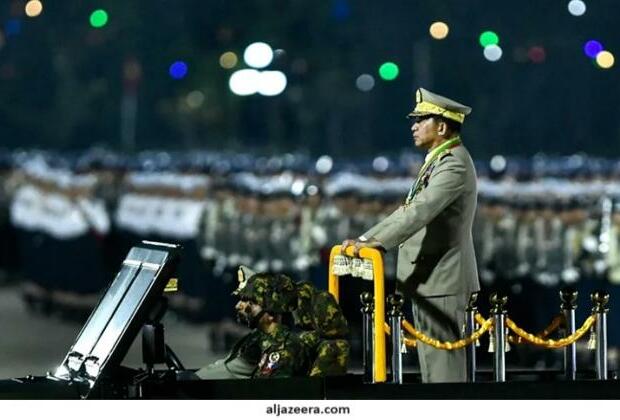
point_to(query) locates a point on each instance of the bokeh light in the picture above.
(365, 82)
(498, 163)
(380, 164)
(12, 27)
(388, 71)
(228, 60)
(488, 38)
(33, 8)
(244, 82)
(178, 70)
(537, 54)
(605, 59)
(341, 9)
(258, 55)
(439, 30)
(576, 7)
(324, 164)
(195, 99)
(98, 18)
(493, 52)
(592, 48)
(271, 83)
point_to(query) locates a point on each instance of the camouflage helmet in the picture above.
(275, 293)
(243, 275)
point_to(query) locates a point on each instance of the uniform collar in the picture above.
(429, 154)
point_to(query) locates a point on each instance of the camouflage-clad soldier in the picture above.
(325, 330)
(271, 349)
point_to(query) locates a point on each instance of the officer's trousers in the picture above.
(442, 318)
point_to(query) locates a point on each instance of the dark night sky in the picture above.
(61, 82)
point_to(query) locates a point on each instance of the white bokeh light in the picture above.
(498, 163)
(365, 82)
(258, 55)
(271, 83)
(380, 164)
(493, 52)
(324, 164)
(244, 82)
(576, 7)
(298, 186)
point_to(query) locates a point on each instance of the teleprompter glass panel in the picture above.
(97, 322)
(131, 302)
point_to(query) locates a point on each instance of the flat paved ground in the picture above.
(34, 344)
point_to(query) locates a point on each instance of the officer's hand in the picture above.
(345, 244)
(358, 244)
(372, 243)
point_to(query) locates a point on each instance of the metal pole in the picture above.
(470, 351)
(568, 295)
(396, 317)
(600, 300)
(367, 335)
(499, 332)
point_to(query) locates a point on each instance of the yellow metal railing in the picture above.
(375, 256)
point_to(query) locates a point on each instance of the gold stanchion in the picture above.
(376, 258)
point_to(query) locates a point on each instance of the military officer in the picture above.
(433, 230)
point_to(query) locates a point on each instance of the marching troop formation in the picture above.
(67, 222)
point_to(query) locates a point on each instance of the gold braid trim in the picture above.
(454, 345)
(409, 342)
(555, 323)
(552, 344)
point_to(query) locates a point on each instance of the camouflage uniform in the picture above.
(276, 352)
(282, 353)
(325, 330)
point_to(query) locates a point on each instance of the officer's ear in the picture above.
(442, 127)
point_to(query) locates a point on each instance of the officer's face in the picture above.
(425, 131)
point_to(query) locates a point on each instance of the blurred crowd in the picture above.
(68, 220)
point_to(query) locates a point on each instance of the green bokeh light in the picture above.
(488, 38)
(98, 18)
(388, 71)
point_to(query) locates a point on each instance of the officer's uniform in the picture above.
(433, 229)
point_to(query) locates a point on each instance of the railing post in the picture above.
(498, 311)
(600, 299)
(568, 295)
(396, 317)
(470, 351)
(367, 335)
